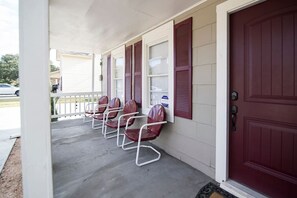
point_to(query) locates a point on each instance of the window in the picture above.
(157, 69)
(158, 73)
(118, 73)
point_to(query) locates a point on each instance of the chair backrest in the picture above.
(114, 103)
(103, 100)
(156, 114)
(129, 107)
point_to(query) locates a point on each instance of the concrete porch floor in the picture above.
(85, 165)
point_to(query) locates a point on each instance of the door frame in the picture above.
(222, 79)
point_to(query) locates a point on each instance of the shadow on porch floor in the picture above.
(87, 165)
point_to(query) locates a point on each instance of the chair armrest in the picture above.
(154, 123)
(105, 114)
(88, 104)
(127, 114)
(102, 105)
(134, 117)
(111, 109)
(149, 124)
(118, 110)
(96, 104)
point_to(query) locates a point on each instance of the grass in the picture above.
(11, 102)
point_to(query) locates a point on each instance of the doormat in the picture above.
(211, 190)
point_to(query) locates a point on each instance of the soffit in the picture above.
(100, 25)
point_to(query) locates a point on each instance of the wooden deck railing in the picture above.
(71, 104)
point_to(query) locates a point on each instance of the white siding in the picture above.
(76, 72)
(193, 141)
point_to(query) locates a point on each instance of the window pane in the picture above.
(119, 88)
(159, 83)
(119, 65)
(155, 97)
(158, 59)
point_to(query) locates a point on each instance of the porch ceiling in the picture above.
(99, 25)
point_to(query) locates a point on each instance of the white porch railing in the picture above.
(71, 104)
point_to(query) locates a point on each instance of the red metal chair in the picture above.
(95, 108)
(114, 104)
(150, 131)
(130, 109)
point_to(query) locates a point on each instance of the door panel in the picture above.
(263, 70)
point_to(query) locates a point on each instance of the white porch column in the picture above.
(35, 100)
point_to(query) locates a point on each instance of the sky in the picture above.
(9, 27)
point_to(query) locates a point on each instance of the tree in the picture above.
(53, 67)
(9, 69)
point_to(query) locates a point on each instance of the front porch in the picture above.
(87, 165)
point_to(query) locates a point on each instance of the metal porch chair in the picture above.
(114, 104)
(129, 109)
(150, 131)
(95, 108)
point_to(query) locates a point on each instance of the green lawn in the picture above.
(12, 102)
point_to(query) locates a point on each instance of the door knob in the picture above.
(234, 111)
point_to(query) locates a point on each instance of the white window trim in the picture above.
(158, 35)
(117, 53)
(222, 92)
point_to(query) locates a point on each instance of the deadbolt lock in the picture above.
(234, 95)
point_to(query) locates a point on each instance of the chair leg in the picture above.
(96, 126)
(138, 152)
(93, 123)
(123, 141)
(85, 119)
(125, 144)
(106, 134)
(149, 161)
(103, 126)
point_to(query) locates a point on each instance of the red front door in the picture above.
(263, 126)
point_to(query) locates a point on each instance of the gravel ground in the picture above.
(11, 176)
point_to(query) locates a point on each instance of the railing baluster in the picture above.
(84, 104)
(73, 99)
(75, 104)
(79, 103)
(65, 105)
(70, 104)
(59, 110)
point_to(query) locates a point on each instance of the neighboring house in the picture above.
(225, 69)
(76, 72)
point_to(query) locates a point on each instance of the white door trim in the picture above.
(222, 92)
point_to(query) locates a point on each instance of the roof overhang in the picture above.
(96, 26)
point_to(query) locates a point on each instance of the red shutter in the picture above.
(128, 73)
(109, 77)
(137, 72)
(183, 69)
